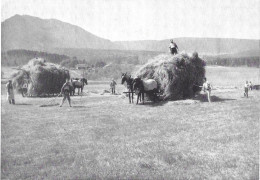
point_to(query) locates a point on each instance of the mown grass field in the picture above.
(105, 137)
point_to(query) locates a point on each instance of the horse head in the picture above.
(137, 83)
(84, 80)
(123, 78)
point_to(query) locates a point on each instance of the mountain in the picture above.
(201, 45)
(32, 33)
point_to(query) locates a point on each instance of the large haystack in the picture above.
(178, 76)
(42, 77)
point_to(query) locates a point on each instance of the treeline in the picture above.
(92, 56)
(233, 61)
(71, 63)
(21, 57)
(71, 57)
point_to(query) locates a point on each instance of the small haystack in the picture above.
(178, 76)
(42, 77)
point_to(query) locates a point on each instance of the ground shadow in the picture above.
(49, 105)
(23, 104)
(42, 96)
(78, 106)
(152, 103)
(203, 98)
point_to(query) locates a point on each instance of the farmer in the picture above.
(207, 88)
(113, 86)
(24, 88)
(246, 89)
(173, 47)
(10, 92)
(65, 90)
(250, 86)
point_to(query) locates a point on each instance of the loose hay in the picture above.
(42, 77)
(178, 76)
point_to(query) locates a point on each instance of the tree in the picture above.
(100, 64)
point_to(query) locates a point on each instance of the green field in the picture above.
(105, 137)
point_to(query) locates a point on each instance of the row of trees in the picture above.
(21, 57)
(71, 63)
(94, 59)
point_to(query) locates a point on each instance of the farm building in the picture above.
(81, 66)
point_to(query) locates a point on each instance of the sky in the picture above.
(148, 19)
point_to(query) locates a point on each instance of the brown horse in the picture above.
(78, 83)
(129, 81)
(145, 86)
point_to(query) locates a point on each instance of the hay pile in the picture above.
(42, 77)
(176, 75)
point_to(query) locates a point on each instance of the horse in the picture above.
(148, 86)
(129, 81)
(78, 83)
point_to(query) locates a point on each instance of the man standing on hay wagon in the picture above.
(173, 47)
(10, 92)
(65, 90)
(207, 88)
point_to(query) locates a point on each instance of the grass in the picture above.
(105, 137)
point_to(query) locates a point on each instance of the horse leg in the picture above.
(143, 96)
(132, 97)
(138, 95)
(129, 97)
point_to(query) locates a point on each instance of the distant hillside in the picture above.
(32, 33)
(201, 45)
(21, 57)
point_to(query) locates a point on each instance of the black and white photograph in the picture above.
(130, 89)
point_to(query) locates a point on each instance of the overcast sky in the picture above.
(148, 19)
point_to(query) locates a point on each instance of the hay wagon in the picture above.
(40, 78)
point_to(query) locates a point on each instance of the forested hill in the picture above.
(33, 33)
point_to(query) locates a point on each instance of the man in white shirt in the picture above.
(65, 90)
(250, 86)
(206, 87)
(113, 86)
(246, 89)
(173, 47)
(10, 92)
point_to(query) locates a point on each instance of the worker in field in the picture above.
(10, 92)
(246, 87)
(173, 47)
(250, 86)
(113, 86)
(24, 89)
(206, 87)
(65, 90)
